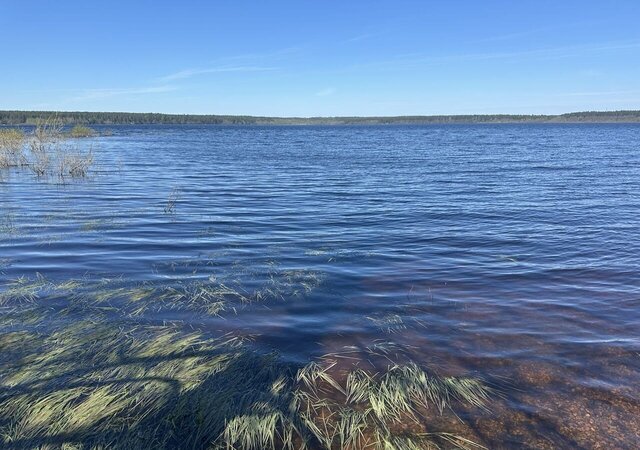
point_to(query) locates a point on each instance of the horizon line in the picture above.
(592, 112)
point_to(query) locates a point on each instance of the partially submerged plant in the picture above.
(81, 131)
(74, 162)
(23, 290)
(172, 201)
(46, 153)
(376, 408)
(11, 147)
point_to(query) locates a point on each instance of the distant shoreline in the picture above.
(124, 118)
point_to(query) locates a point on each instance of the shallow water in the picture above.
(510, 252)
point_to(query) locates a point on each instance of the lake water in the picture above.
(508, 252)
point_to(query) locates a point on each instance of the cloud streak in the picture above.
(408, 61)
(598, 93)
(360, 37)
(189, 73)
(99, 93)
(325, 92)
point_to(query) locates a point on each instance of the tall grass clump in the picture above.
(51, 154)
(47, 150)
(81, 131)
(43, 143)
(74, 162)
(11, 147)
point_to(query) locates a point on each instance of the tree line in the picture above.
(113, 118)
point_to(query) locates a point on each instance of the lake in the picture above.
(506, 253)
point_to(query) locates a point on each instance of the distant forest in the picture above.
(112, 118)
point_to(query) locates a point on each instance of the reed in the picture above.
(45, 151)
(11, 147)
(74, 163)
(172, 201)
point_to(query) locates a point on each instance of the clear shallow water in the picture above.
(509, 251)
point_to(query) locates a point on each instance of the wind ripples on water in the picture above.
(509, 251)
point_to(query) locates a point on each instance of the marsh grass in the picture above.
(4, 264)
(81, 131)
(172, 201)
(44, 142)
(92, 225)
(73, 162)
(96, 377)
(45, 152)
(11, 148)
(84, 383)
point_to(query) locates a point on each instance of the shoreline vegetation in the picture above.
(48, 150)
(115, 118)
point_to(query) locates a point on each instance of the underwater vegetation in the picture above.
(107, 363)
(80, 368)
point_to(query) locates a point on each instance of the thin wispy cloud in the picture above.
(511, 36)
(544, 53)
(408, 61)
(599, 93)
(273, 55)
(246, 62)
(517, 35)
(325, 92)
(189, 73)
(360, 37)
(99, 93)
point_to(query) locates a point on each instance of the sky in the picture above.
(321, 58)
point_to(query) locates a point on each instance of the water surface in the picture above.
(510, 252)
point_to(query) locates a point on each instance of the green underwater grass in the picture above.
(81, 368)
(115, 386)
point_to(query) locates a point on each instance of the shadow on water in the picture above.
(85, 370)
(181, 397)
(92, 385)
(84, 365)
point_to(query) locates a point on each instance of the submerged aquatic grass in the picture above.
(118, 387)
(23, 290)
(207, 296)
(89, 382)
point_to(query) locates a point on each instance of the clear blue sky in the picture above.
(305, 58)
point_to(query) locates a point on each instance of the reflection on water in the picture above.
(506, 253)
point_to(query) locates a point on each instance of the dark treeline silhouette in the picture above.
(111, 118)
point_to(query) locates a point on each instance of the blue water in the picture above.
(509, 251)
